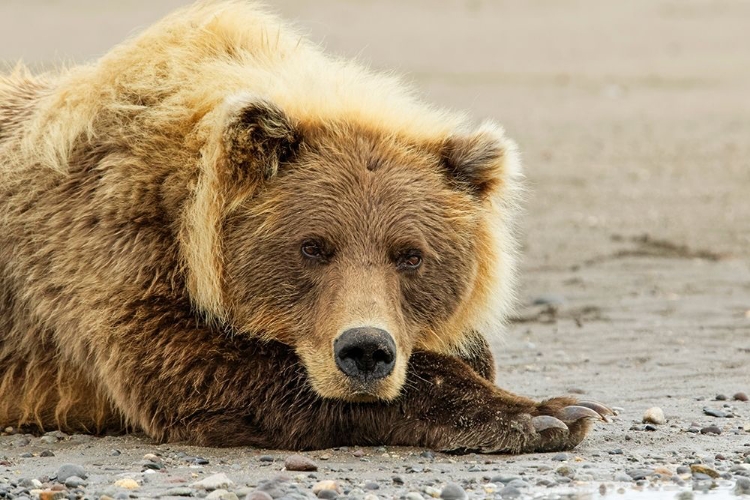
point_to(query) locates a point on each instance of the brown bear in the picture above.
(218, 234)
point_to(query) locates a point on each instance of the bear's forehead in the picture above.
(370, 187)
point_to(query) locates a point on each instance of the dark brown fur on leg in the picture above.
(231, 399)
(480, 357)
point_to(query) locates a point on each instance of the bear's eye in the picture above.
(409, 260)
(312, 249)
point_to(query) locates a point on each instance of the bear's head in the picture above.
(353, 245)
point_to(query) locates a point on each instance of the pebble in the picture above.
(214, 482)
(510, 492)
(74, 482)
(740, 396)
(432, 491)
(127, 483)
(715, 413)
(258, 495)
(503, 479)
(560, 457)
(326, 485)
(398, 480)
(371, 496)
(48, 439)
(265, 458)
(358, 453)
(638, 474)
(327, 494)
(414, 496)
(275, 486)
(742, 487)
(721, 397)
(702, 469)
(452, 491)
(221, 494)
(654, 415)
(371, 485)
(300, 463)
(46, 453)
(182, 491)
(518, 483)
(711, 429)
(69, 470)
(564, 471)
(30, 483)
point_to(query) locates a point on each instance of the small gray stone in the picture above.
(74, 482)
(711, 412)
(258, 495)
(503, 479)
(560, 457)
(46, 453)
(69, 470)
(565, 471)
(711, 429)
(371, 485)
(181, 491)
(452, 491)
(742, 486)
(48, 439)
(327, 494)
(414, 496)
(518, 483)
(265, 458)
(214, 482)
(638, 474)
(221, 494)
(300, 463)
(30, 483)
(510, 492)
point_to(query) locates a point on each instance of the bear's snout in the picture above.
(366, 354)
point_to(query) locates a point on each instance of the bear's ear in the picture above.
(257, 137)
(480, 162)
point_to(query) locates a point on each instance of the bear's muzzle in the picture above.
(366, 354)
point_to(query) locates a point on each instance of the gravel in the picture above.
(299, 463)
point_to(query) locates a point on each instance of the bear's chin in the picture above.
(351, 391)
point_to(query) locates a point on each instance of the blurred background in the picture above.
(633, 118)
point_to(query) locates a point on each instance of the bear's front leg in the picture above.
(207, 387)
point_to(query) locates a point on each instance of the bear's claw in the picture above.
(564, 422)
(571, 414)
(545, 422)
(603, 411)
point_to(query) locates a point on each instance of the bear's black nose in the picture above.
(365, 353)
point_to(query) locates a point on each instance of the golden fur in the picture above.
(162, 106)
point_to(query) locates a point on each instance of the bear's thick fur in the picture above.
(190, 225)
